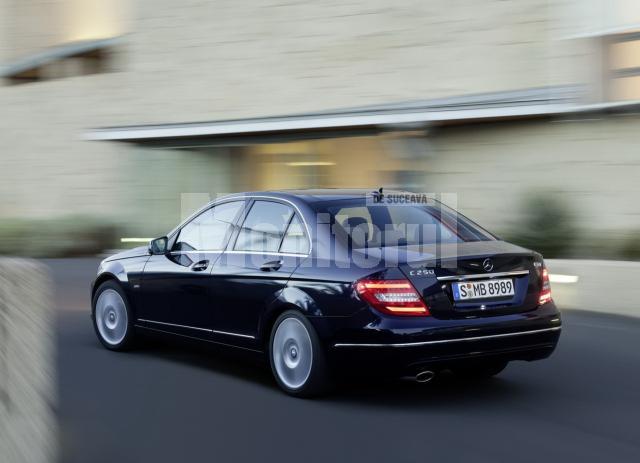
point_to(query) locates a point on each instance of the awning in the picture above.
(541, 102)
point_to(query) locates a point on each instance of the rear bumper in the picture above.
(411, 358)
(472, 339)
(408, 345)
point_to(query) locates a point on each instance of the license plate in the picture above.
(482, 289)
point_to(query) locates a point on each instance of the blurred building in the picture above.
(116, 108)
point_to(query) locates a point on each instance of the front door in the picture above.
(175, 288)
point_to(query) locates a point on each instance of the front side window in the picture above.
(264, 227)
(210, 230)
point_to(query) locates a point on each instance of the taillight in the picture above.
(545, 294)
(395, 297)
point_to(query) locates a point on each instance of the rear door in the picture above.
(270, 244)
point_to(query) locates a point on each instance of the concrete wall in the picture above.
(29, 26)
(225, 59)
(152, 182)
(28, 429)
(593, 164)
(601, 286)
(202, 61)
(194, 61)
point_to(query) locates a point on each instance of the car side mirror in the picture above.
(158, 246)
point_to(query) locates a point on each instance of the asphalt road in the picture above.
(173, 402)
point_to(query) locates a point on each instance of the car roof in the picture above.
(318, 195)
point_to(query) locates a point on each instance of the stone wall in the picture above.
(593, 165)
(27, 364)
(196, 61)
(597, 281)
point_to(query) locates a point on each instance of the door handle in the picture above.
(271, 265)
(200, 266)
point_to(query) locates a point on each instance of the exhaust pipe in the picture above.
(425, 376)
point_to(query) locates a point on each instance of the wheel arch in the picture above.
(269, 319)
(288, 298)
(102, 278)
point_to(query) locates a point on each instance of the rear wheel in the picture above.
(112, 318)
(297, 357)
(480, 370)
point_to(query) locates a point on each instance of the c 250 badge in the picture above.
(422, 272)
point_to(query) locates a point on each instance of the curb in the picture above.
(603, 286)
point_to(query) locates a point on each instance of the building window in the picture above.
(69, 60)
(63, 38)
(623, 61)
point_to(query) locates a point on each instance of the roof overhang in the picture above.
(620, 30)
(534, 103)
(410, 120)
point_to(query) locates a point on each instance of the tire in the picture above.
(112, 317)
(480, 370)
(297, 357)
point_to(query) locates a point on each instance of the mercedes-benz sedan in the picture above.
(323, 280)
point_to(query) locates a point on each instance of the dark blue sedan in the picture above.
(327, 281)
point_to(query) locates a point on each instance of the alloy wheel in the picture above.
(111, 317)
(292, 353)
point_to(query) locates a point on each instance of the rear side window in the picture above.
(295, 240)
(210, 230)
(357, 222)
(264, 227)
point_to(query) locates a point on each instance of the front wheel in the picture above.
(297, 357)
(112, 318)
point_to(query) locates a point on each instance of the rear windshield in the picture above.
(379, 225)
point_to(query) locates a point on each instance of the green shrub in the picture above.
(546, 225)
(630, 247)
(59, 237)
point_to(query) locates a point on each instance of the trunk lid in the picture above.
(434, 270)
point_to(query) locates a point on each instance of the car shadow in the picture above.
(445, 390)
(227, 361)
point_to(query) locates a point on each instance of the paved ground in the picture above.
(169, 403)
